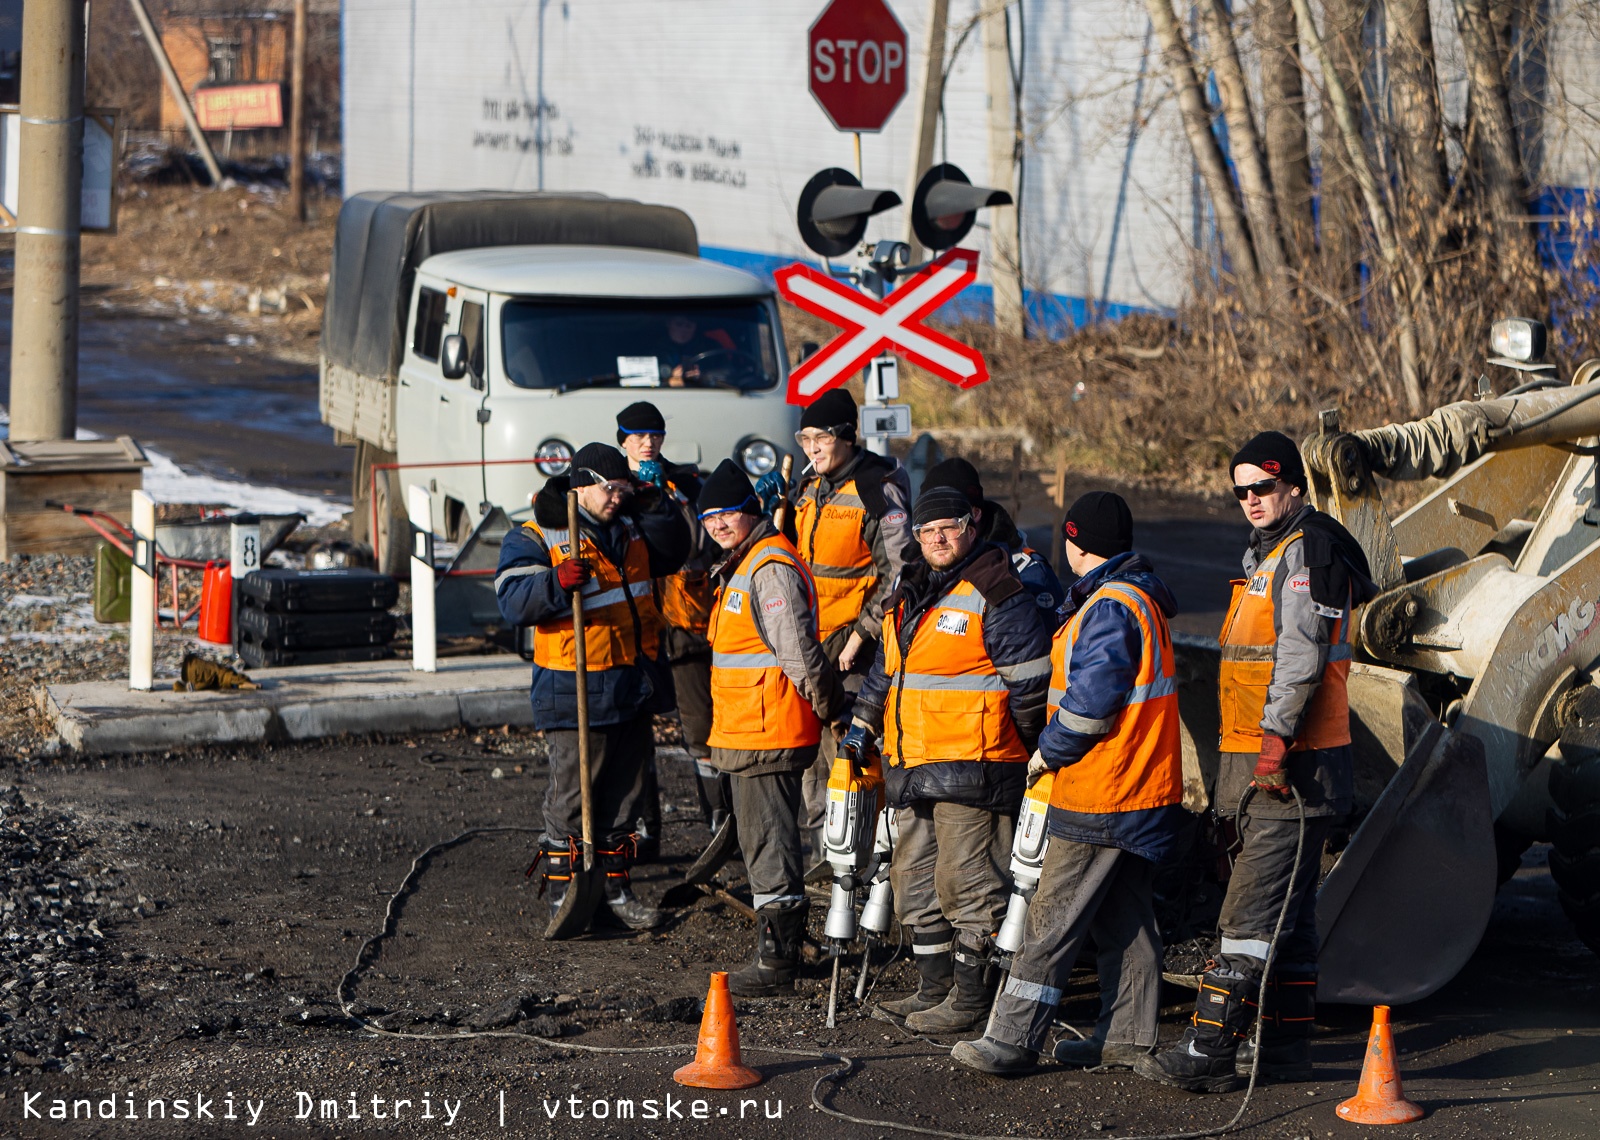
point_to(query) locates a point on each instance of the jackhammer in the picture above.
(855, 799)
(1028, 845)
(878, 912)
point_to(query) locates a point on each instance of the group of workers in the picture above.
(790, 625)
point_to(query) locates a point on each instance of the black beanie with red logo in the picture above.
(1276, 454)
(1100, 523)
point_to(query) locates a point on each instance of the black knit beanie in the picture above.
(1276, 454)
(1100, 523)
(835, 411)
(642, 416)
(936, 503)
(598, 463)
(957, 473)
(727, 489)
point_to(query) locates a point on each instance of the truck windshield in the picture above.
(639, 344)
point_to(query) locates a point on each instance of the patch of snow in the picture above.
(36, 600)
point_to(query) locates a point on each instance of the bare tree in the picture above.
(1505, 183)
(1283, 101)
(1418, 129)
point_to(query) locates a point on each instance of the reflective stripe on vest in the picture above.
(946, 700)
(620, 619)
(834, 546)
(754, 705)
(1248, 642)
(1138, 763)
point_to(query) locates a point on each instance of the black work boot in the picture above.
(779, 933)
(967, 1004)
(555, 866)
(625, 906)
(1287, 1020)
(1202, 1060)
(932, 952)
(998, 1058)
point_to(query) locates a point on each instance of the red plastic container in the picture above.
(216, 604)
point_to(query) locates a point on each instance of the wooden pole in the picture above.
(930, 92)
(1005, 245)
(580, 667)
(780, 513)
(297, 116)
(179, 96)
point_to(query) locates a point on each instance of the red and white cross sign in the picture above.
(871, 325)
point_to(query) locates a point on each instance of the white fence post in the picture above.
(424, 651)
(142, 619)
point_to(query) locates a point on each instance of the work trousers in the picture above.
(766, 808)
(951, 867)
(618, 757)
(1102, 893)
(815, 785)
(691, 678)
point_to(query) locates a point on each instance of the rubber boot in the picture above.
(715, 795)
(1203, 1058)
(555, 876)
(1094, 1054)
(998, 1058)
(931, 950)
(967, 1004)
(1287, 1020)
(624, 905)
(779, 932)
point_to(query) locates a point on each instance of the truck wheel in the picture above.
(391, 546)
(1575, 834)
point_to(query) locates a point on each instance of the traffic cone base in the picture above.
(1379, 1098)
(717, 1063)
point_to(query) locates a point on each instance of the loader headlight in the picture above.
(757, 457)
(1519, 339)
(553, 457)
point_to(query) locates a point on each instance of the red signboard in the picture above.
(856, 60)
(241, 107)
(872, 326)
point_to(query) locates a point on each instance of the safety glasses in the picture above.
(615, 488)
(1261, 488)
(809, 436)
(948, 529)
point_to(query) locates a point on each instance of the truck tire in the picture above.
(391, 546)
(1575, 836)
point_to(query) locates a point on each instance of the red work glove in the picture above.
(572, 573)
(1271, 774)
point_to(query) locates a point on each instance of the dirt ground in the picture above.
(235, 889)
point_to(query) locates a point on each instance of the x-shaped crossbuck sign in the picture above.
(871, 326)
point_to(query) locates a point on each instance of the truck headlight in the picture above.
(757, 457)
(1519, 339)
(553, 457)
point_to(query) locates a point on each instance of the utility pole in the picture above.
(1005, 245)
(297, 116)
(930, 92)
(44, 335)
(179, 95)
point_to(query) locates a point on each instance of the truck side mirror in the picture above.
(453, 357)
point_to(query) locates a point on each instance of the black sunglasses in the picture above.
(1261, 487)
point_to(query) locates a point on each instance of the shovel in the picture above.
(588, 885)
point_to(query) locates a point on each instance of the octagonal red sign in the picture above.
(857, 63)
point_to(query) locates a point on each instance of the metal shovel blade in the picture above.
(577, 908)
(1409, 899)
(724, 845)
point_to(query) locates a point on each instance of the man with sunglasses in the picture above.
(852, 527)
(772, 691)
(629, 534)
(957, 691)
(1285, 737)
(684, 600)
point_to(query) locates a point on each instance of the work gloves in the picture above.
(856, 743)
(769, 489)
(1036, 768)
(1272, 767)
(572, 573)
(650, 471)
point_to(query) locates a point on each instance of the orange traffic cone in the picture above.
(717, 1064)
(1379, 1098)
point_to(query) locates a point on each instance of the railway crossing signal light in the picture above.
(946, 205)
(835, 208)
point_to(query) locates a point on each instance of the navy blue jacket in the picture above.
(1038, 579)
(529, 593)
(1017, 641)
(1105, 665)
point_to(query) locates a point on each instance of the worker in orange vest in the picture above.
(852, 526)
(773, 697)
(957, 691)
(1113, 743)
(1285, 737)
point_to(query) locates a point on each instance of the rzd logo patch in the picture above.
(951, 622)
(1300, 583)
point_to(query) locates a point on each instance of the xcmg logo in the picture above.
(1560, 635)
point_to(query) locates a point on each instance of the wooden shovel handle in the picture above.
(780, 514)
(580, 665)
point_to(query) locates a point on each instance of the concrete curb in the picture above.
(306, 702)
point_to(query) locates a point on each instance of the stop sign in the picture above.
(857, 63)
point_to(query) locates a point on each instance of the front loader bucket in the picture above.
(577, 908)
(1408, 900)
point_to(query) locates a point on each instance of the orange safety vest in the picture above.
(1247, 651)
(946, 700)
(754, 705)
(1138, 763)
(685, 597)
(835, 547)
(620, 620)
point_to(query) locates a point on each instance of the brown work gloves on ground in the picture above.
(201, 674)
